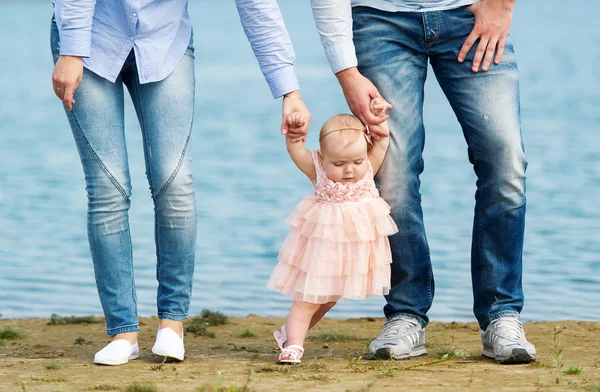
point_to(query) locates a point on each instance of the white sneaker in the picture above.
(504, 341)
(117, 352)
(401, 338)
(169, 344)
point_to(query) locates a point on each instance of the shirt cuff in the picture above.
(282, 81)
(341, 56)
(75, 43)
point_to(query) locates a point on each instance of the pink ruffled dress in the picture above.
(338, 247)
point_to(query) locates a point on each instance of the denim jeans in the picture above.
(165, 111)
(393, 49)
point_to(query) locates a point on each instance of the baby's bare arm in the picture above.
(377, 152)
(301, 156)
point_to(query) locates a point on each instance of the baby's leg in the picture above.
(323, 309)
(298, 323)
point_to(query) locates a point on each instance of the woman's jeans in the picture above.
(165, 111)
(393, 50)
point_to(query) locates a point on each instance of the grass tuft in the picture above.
(51, 366)
(246, 333)
(212, 319)
(57, 320)
(197, 325)
(10, 333)
(449, 350)
(105, 387)
(386, 372)
(137, 387)
(573, 370)
(48, 379)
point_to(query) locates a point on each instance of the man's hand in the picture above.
(296, 126)
(66, 77)
(492, 22)
(359, 91)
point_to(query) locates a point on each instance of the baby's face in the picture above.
(345, 164)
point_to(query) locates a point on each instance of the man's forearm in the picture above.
(334, 24)
(271, 43)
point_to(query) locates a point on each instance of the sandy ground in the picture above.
(59, 358)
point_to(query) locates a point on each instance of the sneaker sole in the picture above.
(386, 353)
(518, 355)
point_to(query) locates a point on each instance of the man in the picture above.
(383, 46)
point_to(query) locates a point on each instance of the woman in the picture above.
(98, 46)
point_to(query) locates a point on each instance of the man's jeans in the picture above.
(393, 50)
(165, 110)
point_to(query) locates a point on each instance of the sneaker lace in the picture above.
(398, 327)
(509, 328)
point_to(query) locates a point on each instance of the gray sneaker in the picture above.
(504, 341)
(401, 338)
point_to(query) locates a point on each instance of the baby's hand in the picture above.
(296, 120)
(378, 106)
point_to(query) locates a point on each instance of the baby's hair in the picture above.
(341, 128)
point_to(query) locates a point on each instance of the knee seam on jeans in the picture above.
(169, 181)
(172, 177)
(111, 178)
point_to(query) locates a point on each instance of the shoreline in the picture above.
(242, 354)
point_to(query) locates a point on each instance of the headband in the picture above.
(364, 131)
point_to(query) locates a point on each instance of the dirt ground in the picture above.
(59, 358)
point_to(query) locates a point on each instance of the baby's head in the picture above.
(344, 148)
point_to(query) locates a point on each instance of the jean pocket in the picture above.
(467, 9)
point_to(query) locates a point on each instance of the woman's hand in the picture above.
(66, 77)
(295, 117)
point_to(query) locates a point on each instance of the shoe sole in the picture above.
(168, 355)
(386, 353)
(116, 363)
(518, 355)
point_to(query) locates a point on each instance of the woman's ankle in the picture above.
(175, 325)
(131, 337)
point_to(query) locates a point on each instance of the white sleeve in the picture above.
(334, 23)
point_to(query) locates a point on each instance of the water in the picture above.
(246, 184)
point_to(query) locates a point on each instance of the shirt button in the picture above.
(134, 14)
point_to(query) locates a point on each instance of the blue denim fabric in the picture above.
(393, 50)
(165, 111)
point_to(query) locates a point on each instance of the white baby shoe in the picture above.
(117, 352)
(169, 344)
